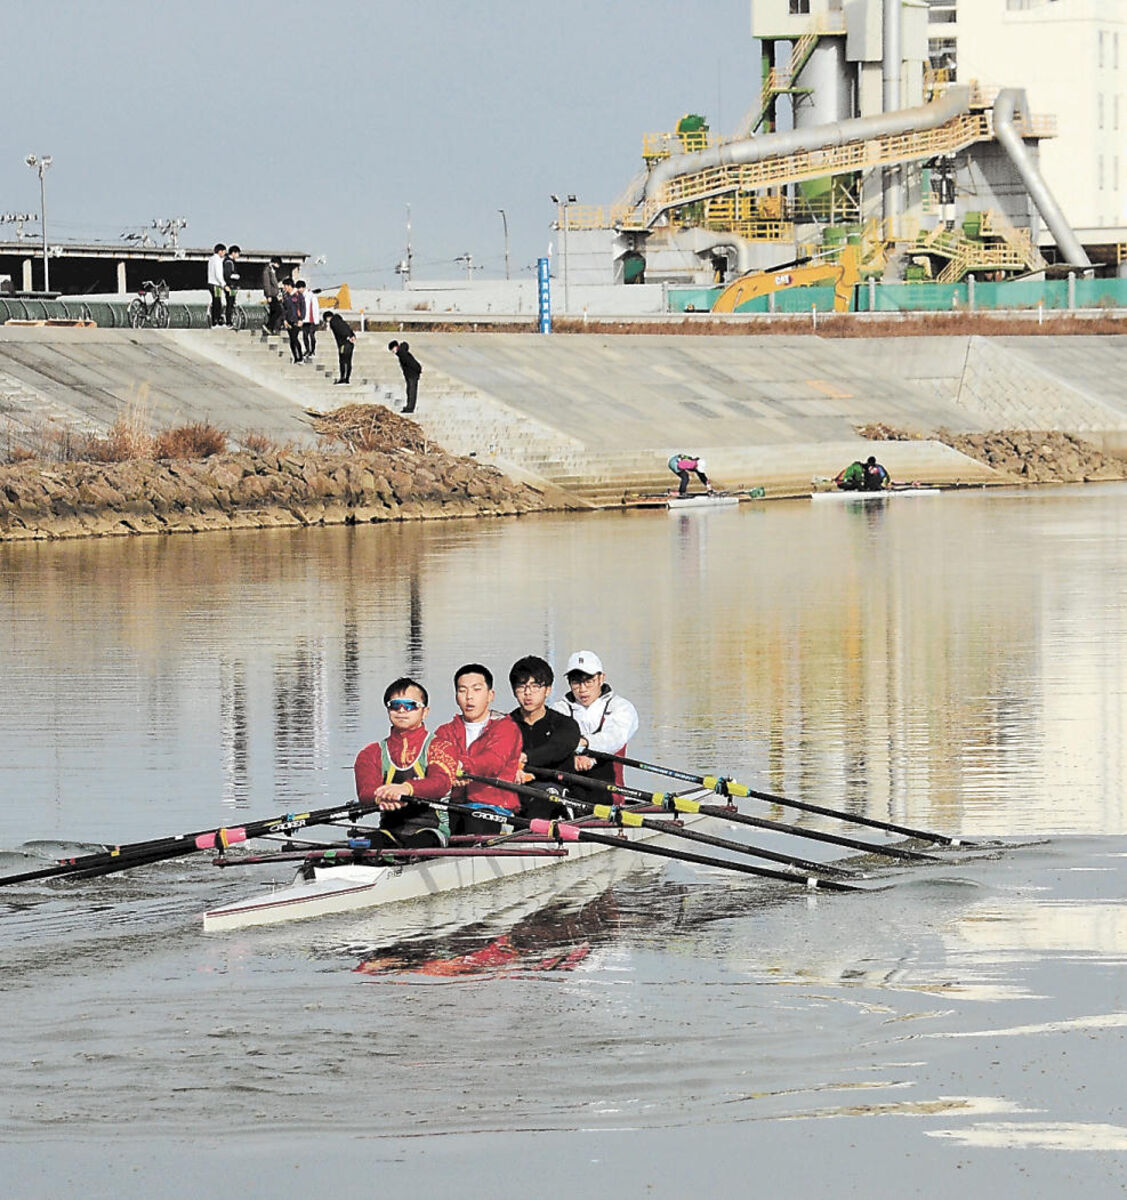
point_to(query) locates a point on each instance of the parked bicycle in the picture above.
(150, 306)
(238, 317)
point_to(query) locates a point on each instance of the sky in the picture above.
(313, 126)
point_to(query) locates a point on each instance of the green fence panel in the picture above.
(692, 299)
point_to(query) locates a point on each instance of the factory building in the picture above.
(894, 140)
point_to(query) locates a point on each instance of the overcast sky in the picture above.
(312, 126)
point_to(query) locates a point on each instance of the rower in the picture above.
(852, 478)
(549, 738)
(607, 721)
(480, 741)
(681, 464)
(876, 477)
(390, 771)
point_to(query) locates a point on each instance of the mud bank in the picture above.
(1028, 456)
(247, 490)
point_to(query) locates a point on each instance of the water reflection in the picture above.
(958, 663)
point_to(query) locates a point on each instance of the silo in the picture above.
(826, 74)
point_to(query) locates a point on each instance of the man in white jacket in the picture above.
(607, 720)
(216, 284)
(312, 319)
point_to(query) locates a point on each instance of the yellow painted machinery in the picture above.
(842, 272)
(342, 299)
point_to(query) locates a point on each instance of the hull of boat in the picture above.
(680, 503)
(863, 497)
(353, 887)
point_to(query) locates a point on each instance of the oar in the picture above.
(667, 801)
(671, 801)
(729, 787)
(343, 854)
(137, 854)
(566, 832)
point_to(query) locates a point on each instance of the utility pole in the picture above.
(466, 258)
(505, 224)
(563, 202)
(41, 162)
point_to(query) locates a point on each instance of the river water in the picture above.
(954, 663)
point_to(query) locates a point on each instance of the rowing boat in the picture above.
(705, 500)
(317, 891)
(885, 494)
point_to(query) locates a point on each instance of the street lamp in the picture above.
(505, 223)
(41, 162)
(564, 203)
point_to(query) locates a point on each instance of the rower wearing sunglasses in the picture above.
(397, 774)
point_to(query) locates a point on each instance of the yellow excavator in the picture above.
(843, 272)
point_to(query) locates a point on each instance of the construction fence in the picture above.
(1015, 296)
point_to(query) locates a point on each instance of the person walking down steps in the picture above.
(411, 372)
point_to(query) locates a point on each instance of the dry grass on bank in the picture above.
(129, 438)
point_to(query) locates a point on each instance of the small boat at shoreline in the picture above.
(317, 891)
(884, 494)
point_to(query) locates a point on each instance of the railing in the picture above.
(955, 135)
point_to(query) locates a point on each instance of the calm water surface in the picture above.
(955, 663)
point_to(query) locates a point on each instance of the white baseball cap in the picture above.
(585, 661)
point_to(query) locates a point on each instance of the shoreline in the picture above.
(295, 488)
(248, 490)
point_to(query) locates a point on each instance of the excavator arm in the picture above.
(842, 273)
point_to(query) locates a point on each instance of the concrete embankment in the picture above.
(592, 418)
(249, 491)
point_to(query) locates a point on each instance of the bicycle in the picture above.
(150, 306)
(238, 317)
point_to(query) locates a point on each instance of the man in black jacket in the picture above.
(411, 372)
(346, 343)
(272, 294)
(293, 312)
(549, 738)
(231, 282)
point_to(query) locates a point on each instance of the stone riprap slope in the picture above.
(245, 490)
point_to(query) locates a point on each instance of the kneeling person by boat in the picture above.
(482, 742)
(606, 720)
(397, 775)
(549, 738)
(877, 479)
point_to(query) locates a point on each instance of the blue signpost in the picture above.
(543, 279)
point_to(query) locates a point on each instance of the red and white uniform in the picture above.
(495, 751)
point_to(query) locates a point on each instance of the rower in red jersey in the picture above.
(480, 741)
(397, 775)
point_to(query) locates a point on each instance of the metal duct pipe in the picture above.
(1011, 100)
(891, 60)
(703, 241)
(891, 65)
(819, 137)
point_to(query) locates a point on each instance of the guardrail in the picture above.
(107, 314)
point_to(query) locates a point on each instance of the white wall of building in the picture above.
(1071, 58)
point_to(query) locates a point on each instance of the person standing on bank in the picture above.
(231, 282)
(606, 720)
(216, 284)
(293, 312)
(346, 343)
(411, 369)
(312, 319)
(272, 294)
